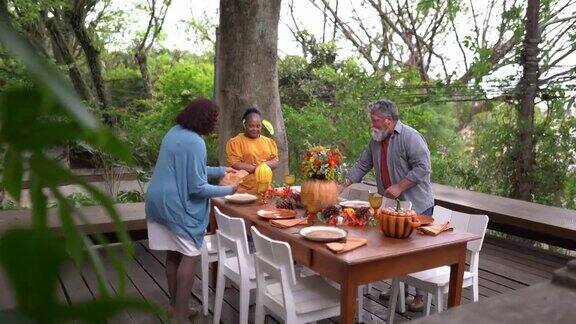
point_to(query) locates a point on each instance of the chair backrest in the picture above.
(352, 193)
(404, 204)
(441, 215)
(231, 236)
(275, 257)
(475, 224)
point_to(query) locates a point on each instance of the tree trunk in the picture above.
(247, 74)
(142, 60)
(62, 52)
(528, 89)
(92, 53)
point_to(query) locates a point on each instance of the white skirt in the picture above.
(162, 239)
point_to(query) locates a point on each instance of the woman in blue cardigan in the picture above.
(178, 200)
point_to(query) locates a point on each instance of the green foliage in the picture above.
(328, 108)
(494, 149)
(130, 196)
(79, 199)
(8, 204)
(32, 120)
(144, 130)
(186, 80)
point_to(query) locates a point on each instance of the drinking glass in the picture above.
(289, 180)
(375, 201)
(262, 190)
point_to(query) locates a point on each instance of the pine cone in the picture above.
(363, 213)
(287, 203)
(297, 198)
(331, 211)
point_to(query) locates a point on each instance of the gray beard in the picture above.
(379, 135)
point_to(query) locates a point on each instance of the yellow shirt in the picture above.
(252, 151)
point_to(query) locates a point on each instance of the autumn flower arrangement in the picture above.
(335, 215)
(323, 163)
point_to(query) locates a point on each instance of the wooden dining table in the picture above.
(381, 258)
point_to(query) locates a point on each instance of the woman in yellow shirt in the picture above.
(247, 150)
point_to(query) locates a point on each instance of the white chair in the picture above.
(436, 281)
(302, 300)
(238, 266)
(209, 254)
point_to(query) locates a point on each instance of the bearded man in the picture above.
(401, 161)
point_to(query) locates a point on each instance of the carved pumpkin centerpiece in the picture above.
(396, 222)
(321, 168)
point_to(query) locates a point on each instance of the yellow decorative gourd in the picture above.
(263, 173)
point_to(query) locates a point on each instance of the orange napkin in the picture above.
(349, 245)
(435, 229)
(285, 223)
(233, 178)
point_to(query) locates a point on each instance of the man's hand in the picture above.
(230, 170)
(347, 182)
(393, 192)
(234, 188)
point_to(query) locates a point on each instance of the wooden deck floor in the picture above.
(504, 266)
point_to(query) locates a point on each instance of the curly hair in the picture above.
(249, 111)
(200, 116)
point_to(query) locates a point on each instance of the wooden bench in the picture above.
(97, 220)
(547, 224)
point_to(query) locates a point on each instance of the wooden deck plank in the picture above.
(130, 291)
(519, 263)
(519, 259)
(502, 269)
(74, 285)
(529, 252)
(529, 274)
(132, 215)
(89, 276)
(154, 264)
(7, 298)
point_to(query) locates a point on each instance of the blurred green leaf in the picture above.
(74, 243)
(13, 171)
(39, 202)
(31, 259)
(52, 172)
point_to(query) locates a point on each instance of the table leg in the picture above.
(457, 279)
(347, 301)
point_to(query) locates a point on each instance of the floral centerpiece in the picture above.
(360, 217)
(321, 168)
(322, 163)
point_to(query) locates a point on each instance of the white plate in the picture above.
(296, 188)
(323, 233)
(276, 213)
(354, 204)
(241, 198)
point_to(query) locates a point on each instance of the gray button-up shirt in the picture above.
(408, 158)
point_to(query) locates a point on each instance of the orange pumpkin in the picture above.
(398, 224)
(317, 195)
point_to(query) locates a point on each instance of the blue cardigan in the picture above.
(178, 195)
